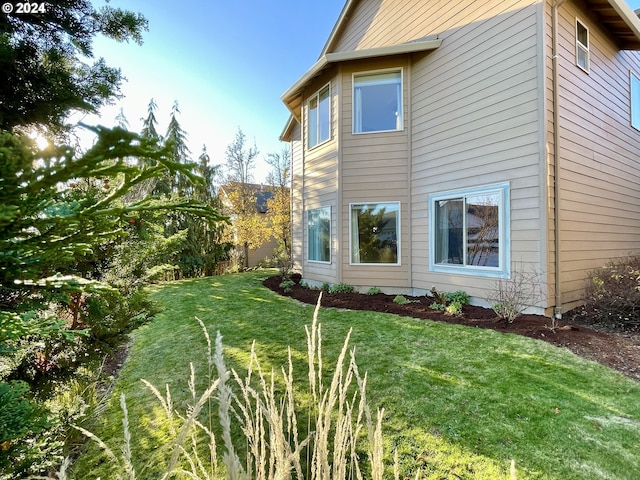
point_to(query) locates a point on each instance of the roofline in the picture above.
(331, 58)
(344, 15)
(629, 17)
(285, 136)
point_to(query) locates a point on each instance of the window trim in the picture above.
(504, 232)
(582, 47)
(398, 230)
(634, 93)
(316, 96)
(324, 262)
(353, 98)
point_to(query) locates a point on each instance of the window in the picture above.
(375, 230)
(319, 235)
(319, 117)
(469, 231)
(635, 101)
(377, 102)
(582, 46)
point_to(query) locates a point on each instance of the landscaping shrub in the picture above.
(510, 297)
(287, 285)
(450, 303)
(341, 288)
(612, 294)
(401, 300)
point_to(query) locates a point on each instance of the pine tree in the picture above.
(176, 140)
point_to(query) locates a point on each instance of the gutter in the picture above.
(556, 158)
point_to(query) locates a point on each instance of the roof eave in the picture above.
(631, 20)
(332, 58)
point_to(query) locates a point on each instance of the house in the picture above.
(452, 144)
(263, 245)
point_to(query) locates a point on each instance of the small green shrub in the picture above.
(341, 288)
(20, 419)
(373, 291)
(447, 302)
(287, 285)
(459, 296)
(454, 308)
(612, 294)
(401, 300)
(325, 287)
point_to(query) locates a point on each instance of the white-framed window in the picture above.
(582, 46)
(634, 88)
(469, 231)
(377, 101)
(375, 233)
(319, 130)
(319, 235)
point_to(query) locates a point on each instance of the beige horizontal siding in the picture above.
(599, 170)
(476, 121)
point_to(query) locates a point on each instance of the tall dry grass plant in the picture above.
(341, 429)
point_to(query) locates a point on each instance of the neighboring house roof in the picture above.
(261, 193)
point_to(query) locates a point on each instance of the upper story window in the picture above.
(582, 46)
(319, 117)
(377, 102)
(635, 101)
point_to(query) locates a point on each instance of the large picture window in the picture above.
(377, 102)
(319, 234)
(319, 117)
(375, 233)
(469, 230)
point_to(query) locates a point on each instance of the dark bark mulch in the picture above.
(616, 349)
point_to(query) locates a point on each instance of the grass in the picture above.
(459, 402)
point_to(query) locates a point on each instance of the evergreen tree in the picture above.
(149, 123)
(176, 140)
(43, 72)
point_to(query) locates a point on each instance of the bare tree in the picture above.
(240, 160)
(280, 164)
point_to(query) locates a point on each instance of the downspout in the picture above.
(556, 157)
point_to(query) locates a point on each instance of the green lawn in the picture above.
(459, 402)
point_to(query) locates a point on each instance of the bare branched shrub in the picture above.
(612, 294)
(340, 423)
(510, 297)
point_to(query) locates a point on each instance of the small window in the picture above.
(319, 235)
(377, 102)
(582, 46)
(319, 117)
(635, 101)
(469, 231)
(375, 232)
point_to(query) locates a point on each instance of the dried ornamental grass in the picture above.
(337, 416)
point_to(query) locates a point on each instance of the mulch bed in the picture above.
(616, 349)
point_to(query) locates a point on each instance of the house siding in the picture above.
(297, 202)
(374, 168)
(479, 111)
(476, 122)
(599, 151)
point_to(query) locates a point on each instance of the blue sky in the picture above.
(226, 63)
